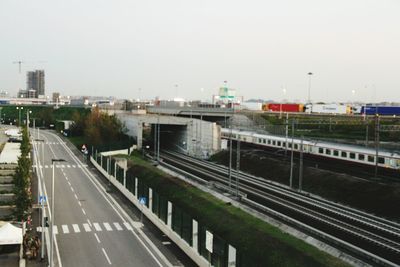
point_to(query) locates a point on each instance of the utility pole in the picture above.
(301, 165)
(230, 158)
(366, 133)
(309, 86)
(158, 139)
(286, 133)
(291, 157)
(237, 166)
(377, 126)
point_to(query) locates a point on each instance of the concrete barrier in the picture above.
(6, 188)
(6, 179)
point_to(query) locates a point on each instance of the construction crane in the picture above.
(23, 62)
(19, 64)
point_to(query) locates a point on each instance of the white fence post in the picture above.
(136, 189)
(151, 199)
(195, 234)
(169, 215)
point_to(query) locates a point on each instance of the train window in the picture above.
(344, 154)
(321, 150)
(269, 142)
(284, 144)
(264, 141)
(273, 143)
(327, 151)
(296, 146)
(290, 145)
(259, 140)
(279, 143)
(352, 155)
(335, 153)
(381, 160)
(371, 158)
(361, 157)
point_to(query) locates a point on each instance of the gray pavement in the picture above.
(92, 228)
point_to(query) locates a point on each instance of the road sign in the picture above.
(142, 200)
(42, 199)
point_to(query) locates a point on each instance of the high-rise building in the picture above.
(35, 81)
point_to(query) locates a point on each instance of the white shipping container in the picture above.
(329, 109)
(252, 106)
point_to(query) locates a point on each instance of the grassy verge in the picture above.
(260, 243)
(77, 141)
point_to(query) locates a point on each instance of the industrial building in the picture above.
(35, 81)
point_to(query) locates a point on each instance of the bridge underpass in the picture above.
(191, 136)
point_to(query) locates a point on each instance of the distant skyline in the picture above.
(184, 48)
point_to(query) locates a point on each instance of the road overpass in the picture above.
(191, 136)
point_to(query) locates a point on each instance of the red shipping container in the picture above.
(278, 107)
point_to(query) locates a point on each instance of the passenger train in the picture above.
(342, 152)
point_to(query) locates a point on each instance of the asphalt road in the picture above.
(91, 227)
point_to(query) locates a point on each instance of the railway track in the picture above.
(365, 236)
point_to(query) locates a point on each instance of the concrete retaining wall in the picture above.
(6, 187)
(6, 211)
(6, 179)
(7, 197)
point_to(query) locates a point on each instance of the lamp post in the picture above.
(19, 115)
(309, 86)
(52, 212)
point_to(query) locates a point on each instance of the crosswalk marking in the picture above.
(128, 226)
(97, 227)
(65, 228)
(76, 228)
(107, 226)
(90, 227)
(87, 227)
(117, 226)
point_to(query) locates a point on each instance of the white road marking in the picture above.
(55, 229)
(68, 166)
(118, 226)
(79, 203)
(73, 166)
(65, 228)
(76, 196)
(98, 240)
(89, 222)
(97, 227)
(128, 226)
(105, 254)
(76, 228)
(166, 243)
(107, 226)
(84, 212)
(72, 189)
(69, 183)
(87, 227)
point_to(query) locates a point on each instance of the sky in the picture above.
(184, 48)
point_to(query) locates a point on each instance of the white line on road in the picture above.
(65, 228)
(128, 226)
(87, 227)
(97, 227)
(55, 229)
(84, 212)
(105, 254)
(69, 183)
(72, 189)
(76, 196)
(80, 204)
(98, 240)
(89, 222)
(118, 226)
(107, 226)
(76, 228)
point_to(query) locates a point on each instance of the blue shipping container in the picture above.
(381, 110)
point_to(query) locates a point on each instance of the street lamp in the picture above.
(52, 212)
(38, 196)
(19, 115)
(309, 86)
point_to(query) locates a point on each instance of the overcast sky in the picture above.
(174, 48)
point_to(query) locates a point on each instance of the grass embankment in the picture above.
(378, 198)
(78, 141)
(260, 243)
